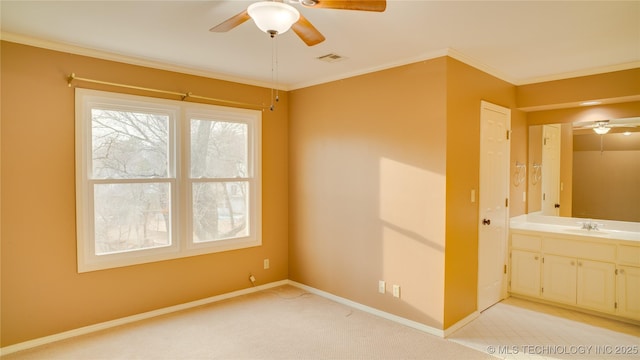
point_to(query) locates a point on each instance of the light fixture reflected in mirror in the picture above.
(273, 17)
(601, 129)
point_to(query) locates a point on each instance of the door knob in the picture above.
(486, 222)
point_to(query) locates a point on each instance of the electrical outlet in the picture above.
(266, 264)
(396, 291)
(252, 279)
(382, 287)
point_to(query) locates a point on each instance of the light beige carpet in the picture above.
(280, 323)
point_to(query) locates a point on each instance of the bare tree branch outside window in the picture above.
(130, 145)
(134, 145)
(219, 153)
(161, 179)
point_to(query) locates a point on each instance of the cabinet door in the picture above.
(559, 279)
(628, 290)
(525, 273)
(596, 285)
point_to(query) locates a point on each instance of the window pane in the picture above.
(218, 149)
(131, 217)
(129, 145)
(220, 210)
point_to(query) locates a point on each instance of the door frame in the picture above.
(551, 169)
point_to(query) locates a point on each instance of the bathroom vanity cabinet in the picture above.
(628, 281)
(588, 272)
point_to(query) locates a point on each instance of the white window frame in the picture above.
(180, 114)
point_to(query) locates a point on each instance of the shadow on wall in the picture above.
(411, 203)
(362, 217)
(367, 160)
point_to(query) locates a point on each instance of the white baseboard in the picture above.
(133, 318)
(370, 310)
(147, 315)
(460, 324)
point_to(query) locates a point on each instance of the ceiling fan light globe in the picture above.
(601, 130)
(271, 16)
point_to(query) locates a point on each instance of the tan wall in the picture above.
(466, 87)
(367, 165)
(613, 85)
(607, 182)
(382, 166)
(608, 186)
(42, 294)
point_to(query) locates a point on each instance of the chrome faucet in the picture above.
(590, 225)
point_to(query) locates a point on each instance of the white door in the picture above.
(495, 124)
(551, 170)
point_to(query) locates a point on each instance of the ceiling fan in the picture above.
(267, 16)
(602, 127)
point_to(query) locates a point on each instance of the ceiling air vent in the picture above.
(331, 58)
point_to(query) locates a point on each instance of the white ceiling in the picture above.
(518, 41)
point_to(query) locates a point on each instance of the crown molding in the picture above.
(580, 73)
(106, 55)
(453, 53)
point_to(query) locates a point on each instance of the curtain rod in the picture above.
(183, 96)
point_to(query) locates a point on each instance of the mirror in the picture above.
(574, 171)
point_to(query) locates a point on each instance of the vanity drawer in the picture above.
(580, 249)
(526, 242)
(629, 255)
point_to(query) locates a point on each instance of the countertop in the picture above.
(614, 230)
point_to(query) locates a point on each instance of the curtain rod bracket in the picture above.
(70, 79)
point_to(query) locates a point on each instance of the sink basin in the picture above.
(602, 233)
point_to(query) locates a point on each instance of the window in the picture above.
(160, 179)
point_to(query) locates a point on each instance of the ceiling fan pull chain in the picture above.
(277, 78)
(272, 66)
(274, 72)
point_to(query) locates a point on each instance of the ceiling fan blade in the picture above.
(231, 22)
(362, 5)
(307, 32)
